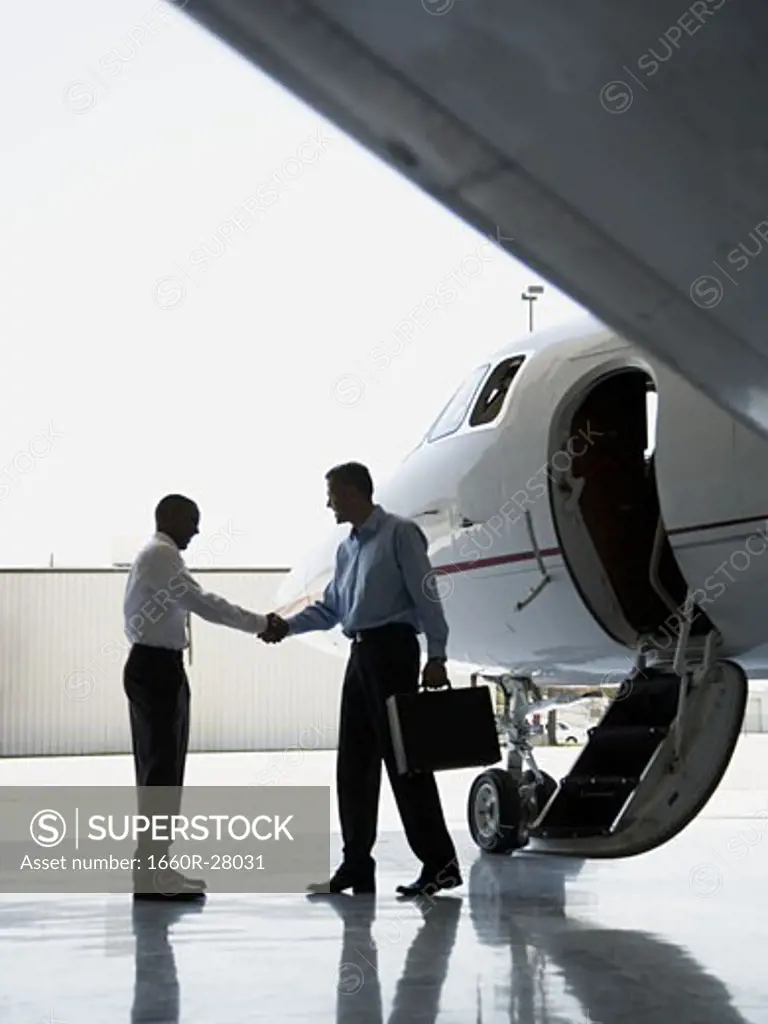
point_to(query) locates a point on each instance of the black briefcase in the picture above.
(435, 730)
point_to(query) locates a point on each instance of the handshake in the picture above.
(277, 629)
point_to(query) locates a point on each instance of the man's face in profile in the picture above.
(338, 501)
(187, 526)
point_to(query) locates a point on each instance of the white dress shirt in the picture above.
(160, 594)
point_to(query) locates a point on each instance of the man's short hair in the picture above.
(172, 504)
(352, 474)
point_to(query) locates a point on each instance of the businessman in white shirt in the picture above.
(160, 595)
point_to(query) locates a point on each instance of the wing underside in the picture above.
(620, 150)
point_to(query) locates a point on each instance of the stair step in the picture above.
(570, 831)
(626, 733)
(590, 804)
(618, 752)
(648, 700)
(598, 781)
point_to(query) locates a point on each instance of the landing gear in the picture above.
(505, 802)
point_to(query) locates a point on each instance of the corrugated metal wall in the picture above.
(754, 717)
(62, 650)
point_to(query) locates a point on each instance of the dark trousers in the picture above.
(158, 698)
(384, 662)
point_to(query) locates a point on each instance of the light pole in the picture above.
(531, 293)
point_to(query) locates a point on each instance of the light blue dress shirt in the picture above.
(383, 575)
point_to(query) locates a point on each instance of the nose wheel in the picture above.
(500, 810)
(505, 802)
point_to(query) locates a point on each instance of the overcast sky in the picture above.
(199, 278)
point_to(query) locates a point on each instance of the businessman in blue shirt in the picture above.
(383, 595)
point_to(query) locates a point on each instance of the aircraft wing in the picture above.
(618, 149)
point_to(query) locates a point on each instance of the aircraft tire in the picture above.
(495, 813)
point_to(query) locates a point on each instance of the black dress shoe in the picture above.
(343, 880)
(427, 885)
(170, 879)
(182, 896)
(167, 885)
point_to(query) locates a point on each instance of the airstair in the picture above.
(643, 725)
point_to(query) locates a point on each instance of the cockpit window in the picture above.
(488, 405)
(452, 416)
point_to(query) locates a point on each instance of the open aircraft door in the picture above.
(712, 478)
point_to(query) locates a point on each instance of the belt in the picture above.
(363, 634)
(176, 652)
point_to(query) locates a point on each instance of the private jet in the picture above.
(594, 521)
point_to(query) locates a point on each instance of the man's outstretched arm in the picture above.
(323, 614)
(175, 585)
